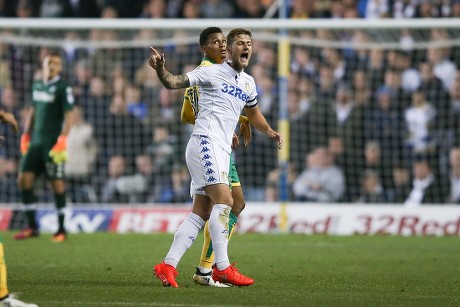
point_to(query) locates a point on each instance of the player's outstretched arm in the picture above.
(7, 117)
(258, 120)
(157, 61)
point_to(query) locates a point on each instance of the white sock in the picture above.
(218, 229)
(204, 270)
(183, 238)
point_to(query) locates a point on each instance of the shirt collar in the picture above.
(52, 81)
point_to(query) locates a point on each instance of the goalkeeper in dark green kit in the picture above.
(44, 144)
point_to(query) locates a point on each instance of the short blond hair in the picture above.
(235, 32)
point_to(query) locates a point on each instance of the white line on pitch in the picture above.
(136, 304)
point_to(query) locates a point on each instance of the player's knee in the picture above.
(24, 182)
(238, 207)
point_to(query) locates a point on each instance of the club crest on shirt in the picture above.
(224, 175)
(247, 86)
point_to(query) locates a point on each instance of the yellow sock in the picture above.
(3, 287)
(207, 255)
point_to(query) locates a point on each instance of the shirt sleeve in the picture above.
(67, 98)
(200, 75)
(252, 99)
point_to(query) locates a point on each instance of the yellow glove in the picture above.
(245, 130)
(25, 141)
(59, 151)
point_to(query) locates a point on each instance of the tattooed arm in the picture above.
(169, 80)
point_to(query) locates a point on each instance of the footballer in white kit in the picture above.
(209, 148)
(224, 91)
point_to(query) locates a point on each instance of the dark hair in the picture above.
(235, 32)
(54, 54)
(206, 32)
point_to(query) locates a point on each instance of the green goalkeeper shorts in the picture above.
(38, 161)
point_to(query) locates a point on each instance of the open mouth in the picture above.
(244, 56)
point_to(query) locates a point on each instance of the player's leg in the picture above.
(184, 237)
(204, 269)
(218, 228)
(3, 285)
(31, 165)
(5, 298)
(187, 232)
(58, 187)
(55, 175)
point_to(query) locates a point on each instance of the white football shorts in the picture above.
(207, 162)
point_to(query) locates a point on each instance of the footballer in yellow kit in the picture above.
(215, 52)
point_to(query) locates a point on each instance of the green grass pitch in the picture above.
(105, 269)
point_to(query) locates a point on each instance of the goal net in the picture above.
(370, 111)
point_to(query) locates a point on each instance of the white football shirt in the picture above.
(224, 93)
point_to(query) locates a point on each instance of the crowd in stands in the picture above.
(367, 125)
(229, 8)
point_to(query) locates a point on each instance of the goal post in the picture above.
(368, 103)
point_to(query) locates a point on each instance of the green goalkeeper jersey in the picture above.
(51, 100)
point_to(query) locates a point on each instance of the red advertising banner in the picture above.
(148, 219)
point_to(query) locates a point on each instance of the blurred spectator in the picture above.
(312, 124)
(337, 9)
(81, 84)
(79, 168)
(419, 120)
(410, 76)
(154, 9)
(125, 8)
(362, 93)
(85, 8)
(55, 8)
(249, 9)
(321, 181)
(452, 124)
(26, 9)
(9, 146)
(385, 125)
(109, 12)
(404, 8)
(454, 195)
(443, 68)
(402, 184)
(301, 9)
(95, 106)
(375, 68)
(335, 60)
(374, 161)
(162, 150)
(217, 8)
(8, 188)
(120, 133)
(273, 182)
(433, 88)
(426, 186)
(373, 9)
(5, 69)
(326, 87)
(349, 145)
(109, 191)
(455, 9)
(392, 82)
(302, 63)
(190, 10)
(145, 170)
(371, 189)
(177, 190)
(134, 103)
